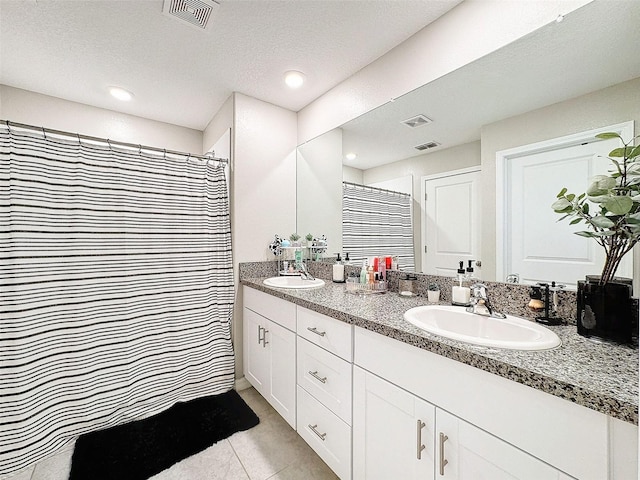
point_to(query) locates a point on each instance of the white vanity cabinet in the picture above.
(324, 377)
(465, 452)
(393, 431)
(495, 425)
(399, 435)
(270, 350)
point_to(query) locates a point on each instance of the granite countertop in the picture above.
(600, 376)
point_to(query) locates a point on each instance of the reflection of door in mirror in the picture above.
(451, 221)
(537, 246)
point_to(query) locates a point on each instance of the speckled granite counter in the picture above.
(602, 377)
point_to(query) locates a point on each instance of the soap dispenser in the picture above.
(460, 295)
(338, 270)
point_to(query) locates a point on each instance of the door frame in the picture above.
(624, 129)
(423, 204)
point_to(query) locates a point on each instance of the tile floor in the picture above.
(270, 451)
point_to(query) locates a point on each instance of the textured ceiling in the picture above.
(180, 75)
(594, 47)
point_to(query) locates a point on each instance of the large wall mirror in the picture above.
(572, 76)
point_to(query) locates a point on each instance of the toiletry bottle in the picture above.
(338, 270)
(383, 269)
(363, 272)
(346, 259)
(460, 295)
(370, 275)
(298, 257)
(470, 275)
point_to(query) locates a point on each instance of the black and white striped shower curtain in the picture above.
(116, 288)
(377, 222)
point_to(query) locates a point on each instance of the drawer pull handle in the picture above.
(320, 435)
(318, 377)
(315, 330)
(419, 446)
(443, 461)
(260, 338)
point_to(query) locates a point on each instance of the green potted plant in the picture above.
(309, 239)
(433, 293)
(295, 239)
(610, 208)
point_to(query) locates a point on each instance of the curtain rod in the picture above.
(78, 136)
(376, 189)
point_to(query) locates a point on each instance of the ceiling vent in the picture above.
(426, 146)
(417, 121)
(196, 13)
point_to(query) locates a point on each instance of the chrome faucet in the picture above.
(480, 304)
(304, 273)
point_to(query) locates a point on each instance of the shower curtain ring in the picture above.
(109, 143)
(44, 133)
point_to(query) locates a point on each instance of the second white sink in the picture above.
(456, 323)
(293, 282)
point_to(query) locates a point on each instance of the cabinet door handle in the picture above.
(318, 377)
(260, 338)
(315, 330)
(320, 435)
(419, 446)
(264, 338)
(443, 461)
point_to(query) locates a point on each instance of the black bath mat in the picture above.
(141, 449)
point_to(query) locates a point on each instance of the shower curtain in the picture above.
(116, 288)
(377, 222)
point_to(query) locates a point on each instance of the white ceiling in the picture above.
(594, 47)
(74, 49)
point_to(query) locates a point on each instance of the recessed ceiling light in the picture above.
(559, 18)
(294, 79)
(120, 94)
(350, 156)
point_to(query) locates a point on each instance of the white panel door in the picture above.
(282, 385)
(451, 222)
(392, 431)
(256, 353)
(539, 247)
(464, 452)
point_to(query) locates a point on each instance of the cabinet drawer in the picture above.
(331, 334)
(326, 377)
(329, 436)
(273, 308)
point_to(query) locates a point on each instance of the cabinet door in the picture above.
(256, 353)
(281, 344)
(464, 452)
(393, 431)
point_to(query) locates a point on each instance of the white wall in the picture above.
(31, 108)
(469, 31)
(263, 187)
(609, 106)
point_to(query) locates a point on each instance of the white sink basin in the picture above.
(456, 323)
(293, 282)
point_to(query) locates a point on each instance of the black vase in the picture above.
(607, 311)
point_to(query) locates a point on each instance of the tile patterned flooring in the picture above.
(270, 451)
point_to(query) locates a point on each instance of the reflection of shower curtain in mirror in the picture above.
(117, 288)
(377, 222)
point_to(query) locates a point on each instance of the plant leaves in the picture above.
(598, 198)
(606, 135)
(586, 234)
(618, 204)
(575, 220)
(561, 205)
(602, 222)
(562, 192)
(635, 152)
(621, 152)
(600, 184)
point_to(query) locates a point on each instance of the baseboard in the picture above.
(242, 384)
